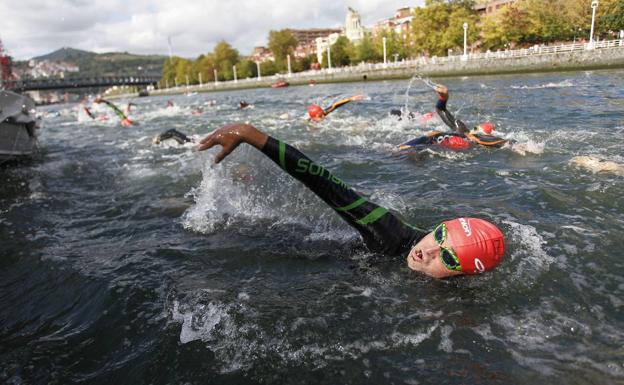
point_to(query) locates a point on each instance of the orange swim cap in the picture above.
(316, 112)
(486, 127)
(479, 244)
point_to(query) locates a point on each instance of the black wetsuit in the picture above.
(175, 135)
(459, 127)
(399, 114)
(434, 137)
(383, 232)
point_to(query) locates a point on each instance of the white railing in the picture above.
(361, 68)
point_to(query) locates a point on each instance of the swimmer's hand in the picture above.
(230, 136)
(442, 91)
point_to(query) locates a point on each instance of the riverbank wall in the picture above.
(481, 64)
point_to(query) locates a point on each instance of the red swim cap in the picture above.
(479, 244)
(486, 127)
(455, 143)
(315, 111)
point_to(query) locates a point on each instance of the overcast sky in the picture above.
(31, 28)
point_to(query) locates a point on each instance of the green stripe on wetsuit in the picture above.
(381, 230)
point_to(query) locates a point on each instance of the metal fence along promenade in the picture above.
(362, 68)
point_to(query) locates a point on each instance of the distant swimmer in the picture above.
(169, 104)
(87, 110)
(174, 135)
(317, 113)
(596, 164)
(243, 105)
(460, 138)
(125, 121)
(197, 111)
(129, 108)
(99, 118)
(422, 119)
(454, 247)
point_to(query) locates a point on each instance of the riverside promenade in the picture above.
(570, 57)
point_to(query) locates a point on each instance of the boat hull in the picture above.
(16, 141)
(18, 126)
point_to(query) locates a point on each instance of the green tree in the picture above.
(205, 65)
(340, 53)
(224, 57)
(438, 26)
(393, 45)
(246, 69)
(268, 68)
(182, 70)
(365, 51)
(281, 44)
(610, 15)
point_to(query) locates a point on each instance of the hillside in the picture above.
(92, 64)
(65, 54)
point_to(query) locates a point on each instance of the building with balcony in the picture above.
(489, 7)
(261, 54)
(400, 23)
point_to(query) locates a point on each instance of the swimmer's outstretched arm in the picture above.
(120, 114)
(173, 134)
(382, 231)
(445, 115)
(342, 102)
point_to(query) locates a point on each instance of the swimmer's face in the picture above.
(156, 140)
(425, 257)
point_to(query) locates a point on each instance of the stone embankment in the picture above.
(531, 60)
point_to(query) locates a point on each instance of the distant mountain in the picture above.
(93, 64)
(66, 54)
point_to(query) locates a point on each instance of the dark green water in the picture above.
(126, 263)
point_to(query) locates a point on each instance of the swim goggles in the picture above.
(448, 256)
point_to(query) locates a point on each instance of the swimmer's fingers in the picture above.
(225, 151)
(207, 142)
(357, 97)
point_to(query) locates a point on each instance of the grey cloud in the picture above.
(143, 26)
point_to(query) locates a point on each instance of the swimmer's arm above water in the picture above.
(448, 118)
(342, 102)
(382, 231)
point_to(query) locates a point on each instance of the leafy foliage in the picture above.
(281, 44)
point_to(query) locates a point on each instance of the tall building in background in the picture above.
(353, 26)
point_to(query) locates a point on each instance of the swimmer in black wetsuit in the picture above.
(455, 247)
(461, 137)
(480, 134)
(175, 135)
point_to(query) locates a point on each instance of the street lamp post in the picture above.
(200, 79)
(329, 57)
(289, 70)
(465, 57)
(594, 5)
(216, 76)
(234, 71)
(396, 57)
(258, 66)
(187, 82)
(384, 51)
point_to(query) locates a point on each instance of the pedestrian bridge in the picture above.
(66, 84)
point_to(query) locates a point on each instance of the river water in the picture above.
(128, 263)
